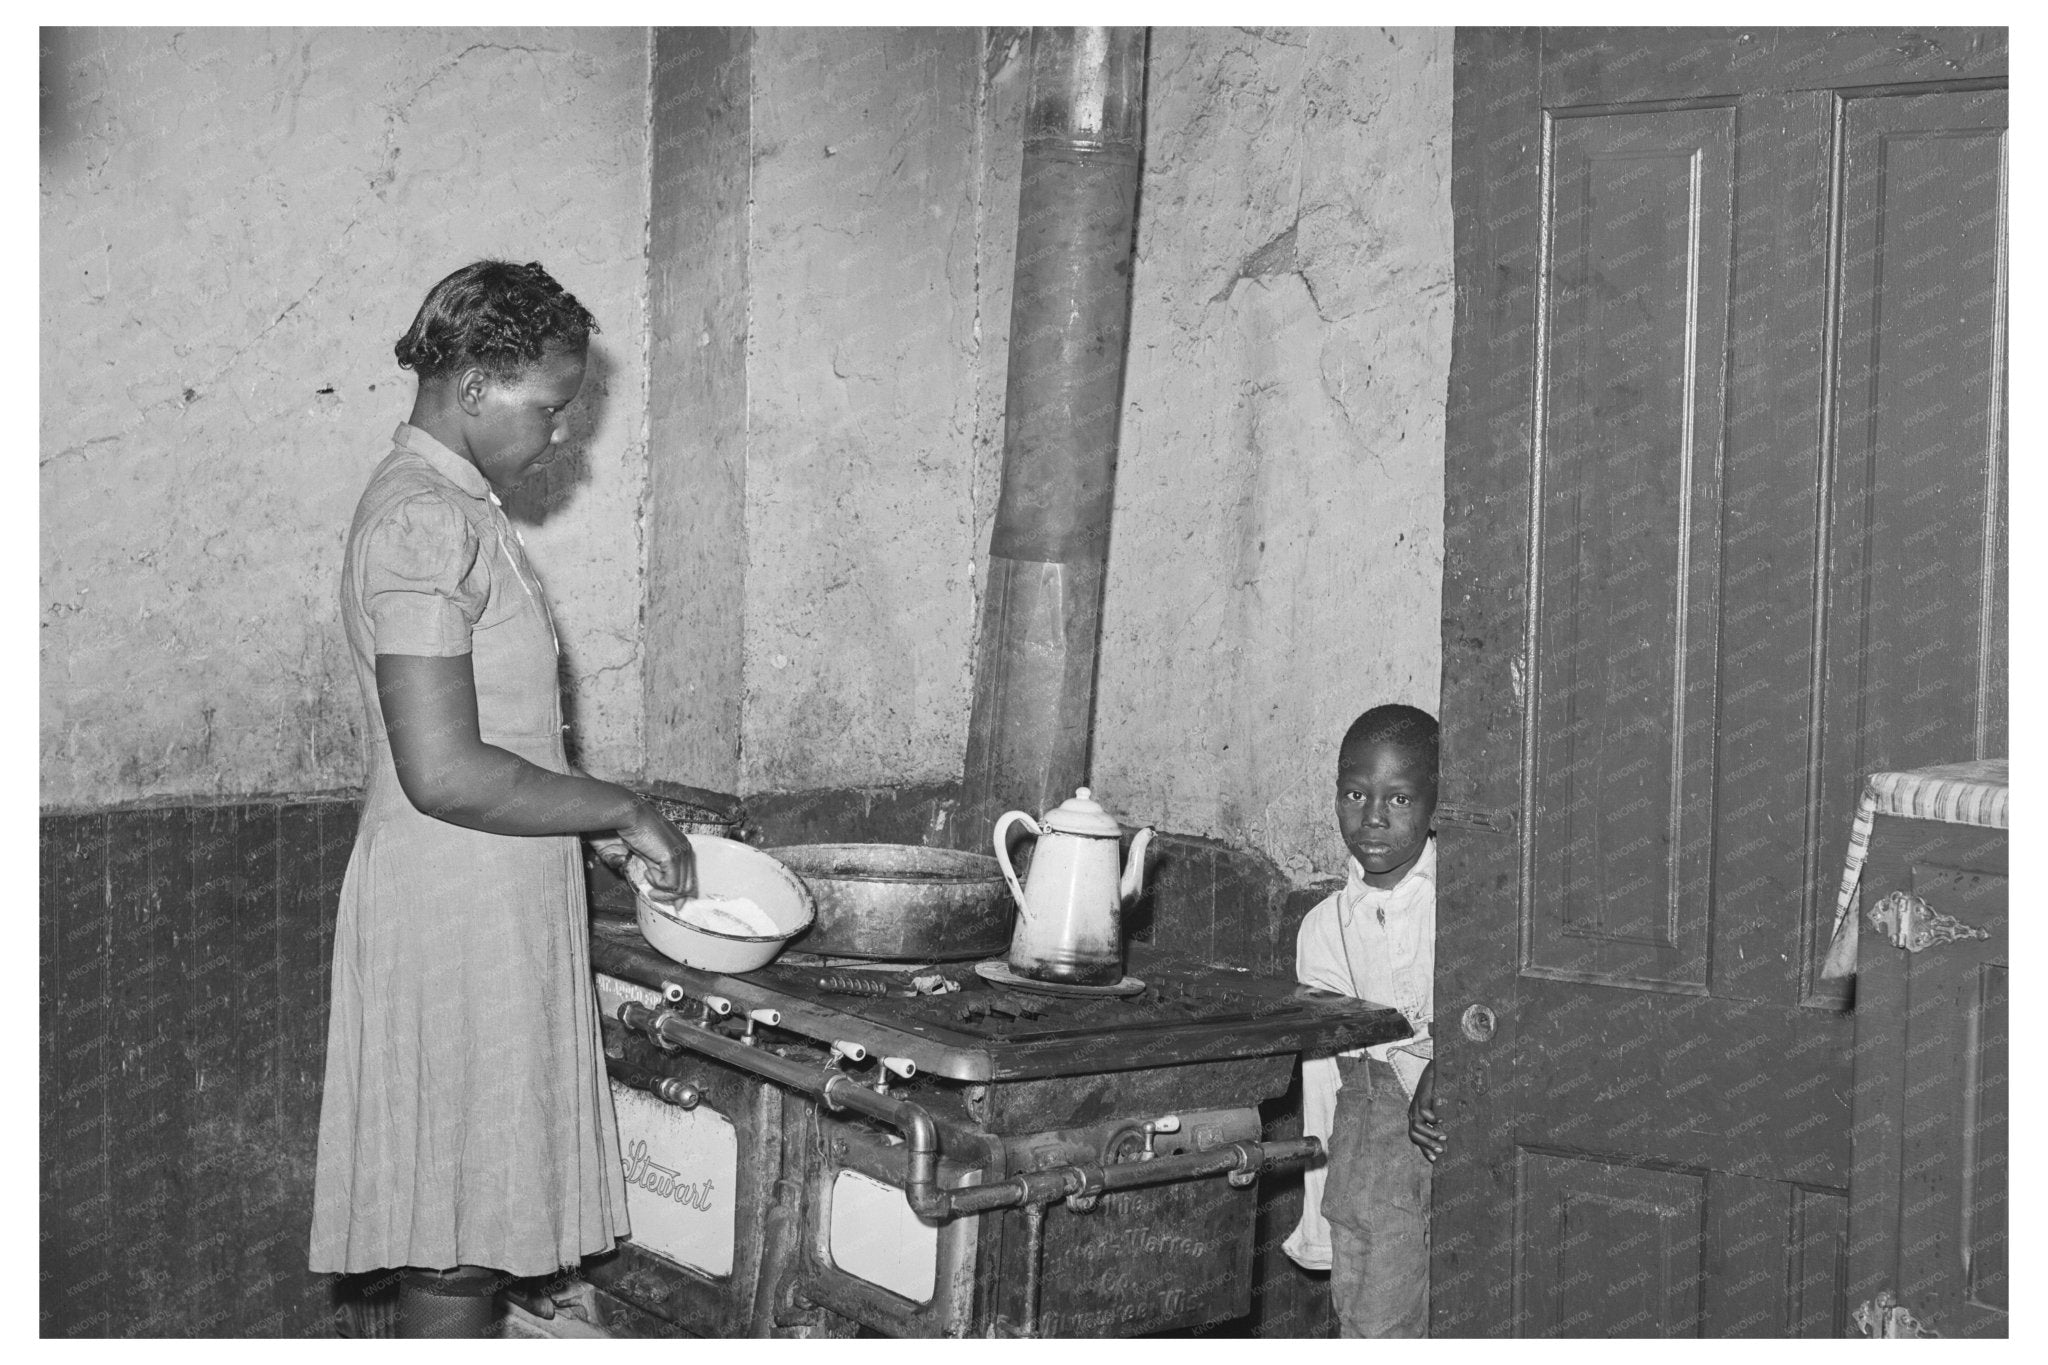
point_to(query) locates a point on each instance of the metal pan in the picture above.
(901, 902)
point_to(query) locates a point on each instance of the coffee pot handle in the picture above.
(1002, 842)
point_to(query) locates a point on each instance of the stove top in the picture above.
(1188, 1012)
(990, 1011)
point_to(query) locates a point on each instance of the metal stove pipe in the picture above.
(920, 1139)
(837, 1089)
(1239, 1160)
(1034, 683)
(668, 1089)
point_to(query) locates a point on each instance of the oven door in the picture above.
(867, 1255)
(699, 1184)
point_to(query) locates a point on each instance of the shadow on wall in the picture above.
(56, 50)
(553, 486)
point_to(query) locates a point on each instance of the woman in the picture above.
(466, 1129)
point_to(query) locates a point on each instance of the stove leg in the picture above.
(1034, 1255)
(779, 1252)
(782, 1234)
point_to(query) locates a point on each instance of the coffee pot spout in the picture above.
(1133, 883)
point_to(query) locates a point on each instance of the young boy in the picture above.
(1375, 1108)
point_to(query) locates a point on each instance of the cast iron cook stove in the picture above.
(771, 1126)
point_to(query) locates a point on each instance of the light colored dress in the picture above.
(466, 1117)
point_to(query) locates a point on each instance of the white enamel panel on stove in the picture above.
(682, 1170)
(875, 1235)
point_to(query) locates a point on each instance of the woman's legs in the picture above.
(462, 1302)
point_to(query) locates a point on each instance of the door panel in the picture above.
(1916, 645)
(1666, 544)
(1820, 1261)
(1634, 310)
(1952, 1214)
(1650, 1252)
(1928, 1221)
(1611, 1248)
(1983, 1231)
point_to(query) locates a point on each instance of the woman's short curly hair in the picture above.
(500, 316)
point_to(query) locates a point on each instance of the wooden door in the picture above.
(1724, 530)
(1927, 1222)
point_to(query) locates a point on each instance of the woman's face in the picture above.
(513, 424)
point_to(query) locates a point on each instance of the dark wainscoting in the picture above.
(184, 959)
(184, 1014)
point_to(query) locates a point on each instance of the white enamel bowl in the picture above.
(729, 869)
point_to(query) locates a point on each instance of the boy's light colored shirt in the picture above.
(1379, 946)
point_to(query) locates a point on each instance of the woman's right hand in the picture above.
(671, 866)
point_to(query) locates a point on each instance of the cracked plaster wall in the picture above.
(1276, 561)
(252, 218)
(1276, 558)
(884, 204)
(235, 226)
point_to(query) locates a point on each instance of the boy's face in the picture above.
(1386, 799)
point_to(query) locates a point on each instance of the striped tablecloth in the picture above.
(1953, 793)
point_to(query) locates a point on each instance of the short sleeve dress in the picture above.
(466, 1117)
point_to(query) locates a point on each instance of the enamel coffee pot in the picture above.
(1070, 912)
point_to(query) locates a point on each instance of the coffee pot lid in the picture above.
(1080, 814)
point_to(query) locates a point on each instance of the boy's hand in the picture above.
(1423, 1129)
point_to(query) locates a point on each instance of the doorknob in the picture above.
(1477, 1022)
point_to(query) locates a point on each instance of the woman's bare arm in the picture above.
(448, 772)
